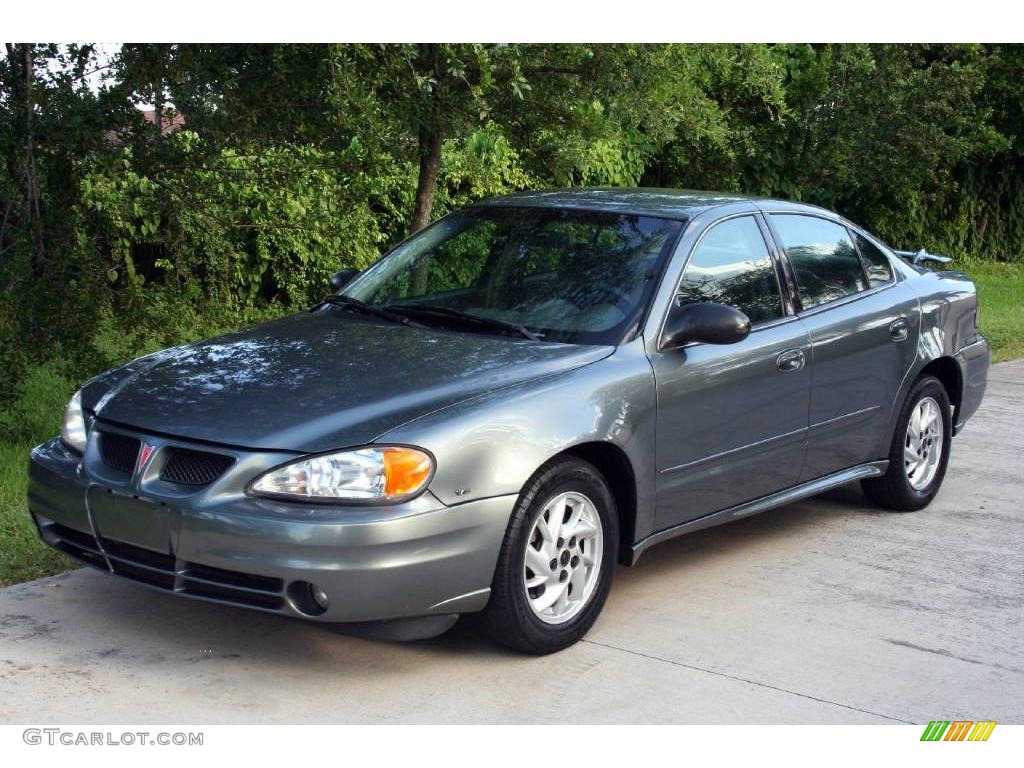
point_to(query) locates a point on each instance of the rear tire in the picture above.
(557, 560)
(919, 452)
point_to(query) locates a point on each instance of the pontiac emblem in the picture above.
(144, 453)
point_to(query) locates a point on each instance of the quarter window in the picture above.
(875, 262)
(731, 265)
(823, 258)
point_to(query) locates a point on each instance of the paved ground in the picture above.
(826, 611)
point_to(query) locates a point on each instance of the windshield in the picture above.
(570, 276)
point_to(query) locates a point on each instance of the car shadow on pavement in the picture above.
(133, 623)
(756, 532)
(672, 558)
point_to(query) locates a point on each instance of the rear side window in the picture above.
(875, 262)
(731, 265)
(823, 258)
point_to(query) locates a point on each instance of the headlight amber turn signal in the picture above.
(374, 473)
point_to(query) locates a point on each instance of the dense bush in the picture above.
(117, 237)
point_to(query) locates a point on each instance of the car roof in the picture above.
(642, 201)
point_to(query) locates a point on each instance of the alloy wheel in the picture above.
(563, 557)
(922, 448)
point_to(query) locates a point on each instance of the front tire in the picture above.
(919, 452)
(556, 562)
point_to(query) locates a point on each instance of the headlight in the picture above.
(376, 474)
(72, 431)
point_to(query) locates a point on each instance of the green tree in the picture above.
(297, 159)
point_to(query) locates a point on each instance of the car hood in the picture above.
(317, 381)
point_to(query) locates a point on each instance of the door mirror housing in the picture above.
(343, 277)
(705, 322)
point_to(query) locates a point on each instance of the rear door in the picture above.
(731, 418)
(863, 328)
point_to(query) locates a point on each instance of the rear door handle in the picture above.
(899, 329)
(790, 360)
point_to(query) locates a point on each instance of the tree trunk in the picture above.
(431, 139)
(34, 212)
(981, 232)
(11, 201)
(161, 55)
(158, 111)
(430, 143)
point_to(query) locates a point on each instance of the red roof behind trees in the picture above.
(172, 121)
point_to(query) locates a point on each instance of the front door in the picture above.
(731, 418)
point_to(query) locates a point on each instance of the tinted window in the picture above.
(875, 262)
(731, 265)
(569, 276)
(826, 265)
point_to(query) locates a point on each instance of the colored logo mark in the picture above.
(144, 454)
(958, 730)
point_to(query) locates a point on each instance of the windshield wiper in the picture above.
(339, 300)
(465, 317)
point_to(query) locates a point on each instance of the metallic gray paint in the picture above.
(418, 558)
(731, 425)
(857, 370)
(300, 383)
(763, 504)
(490, 446)
(711, 432)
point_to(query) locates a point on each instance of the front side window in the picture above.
(824, 260)
(731, 265)
(875, 262)
(564, 275)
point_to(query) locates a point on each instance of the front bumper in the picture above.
(415, 559)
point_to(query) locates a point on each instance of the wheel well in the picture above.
(946, 370)
(612, 462)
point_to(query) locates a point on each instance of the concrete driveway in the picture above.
(826, 611)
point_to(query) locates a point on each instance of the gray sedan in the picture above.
(513, 401)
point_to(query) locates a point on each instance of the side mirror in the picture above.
(343, 277)
(708, 323)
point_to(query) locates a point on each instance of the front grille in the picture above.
(159, 569)
(119, 451)
(185, 466)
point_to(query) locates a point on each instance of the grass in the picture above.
(33, 418)
(36, 417)
(1001, 298)
(22, 556)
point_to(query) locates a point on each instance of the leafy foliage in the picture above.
(118, 235)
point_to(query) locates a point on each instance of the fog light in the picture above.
(307, 598)
(319, 596)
